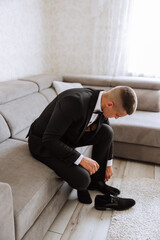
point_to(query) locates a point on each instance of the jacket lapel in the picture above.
(90, 111)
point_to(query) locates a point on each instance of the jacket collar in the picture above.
(93, 101)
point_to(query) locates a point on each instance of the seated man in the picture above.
(79, 117)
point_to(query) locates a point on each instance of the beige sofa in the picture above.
(31, 194)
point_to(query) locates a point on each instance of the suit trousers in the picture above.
(76, 176)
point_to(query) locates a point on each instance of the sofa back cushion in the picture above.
(43, 81)
(49, 94)
(4, 130)
(136, 82)
(20, 113)
(11, 90)
(148, 100)
(92, 80)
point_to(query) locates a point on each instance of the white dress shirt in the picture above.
(93, 119)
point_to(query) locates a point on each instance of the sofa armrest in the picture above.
(6, 213)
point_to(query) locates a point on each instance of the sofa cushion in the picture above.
(82, 150)
(43, 80)
(7, 229)
(49, 93)
(92, 80)
(110, 81)
(140, 128)
(33, 184)
(20, 113)
(62, 86)
(22, 135)
(137, 152)
(148, 100)
(4, 130)
(11, 90)
(97, 87)
(136, 82)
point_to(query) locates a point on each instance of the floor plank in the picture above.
(52, 236)
(157, 172)
(65, 214)
(139, 170)
(87, 223)
(119, 167)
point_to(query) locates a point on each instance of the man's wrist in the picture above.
(77, 162)
(109, 163)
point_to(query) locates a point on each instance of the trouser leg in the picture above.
(102, 148)
(76, 176)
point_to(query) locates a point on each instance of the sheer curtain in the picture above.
(110, 39)
(126, 39)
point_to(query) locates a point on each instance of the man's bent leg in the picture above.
(102, 151)
(76, 176)
(102, 148)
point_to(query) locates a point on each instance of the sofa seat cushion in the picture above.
(82, 149)
(33, 184)
(140, 128)
(22, 135)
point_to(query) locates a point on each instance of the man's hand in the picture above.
(108, 173)
(90, 165)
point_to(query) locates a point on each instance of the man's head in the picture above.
(118, 102)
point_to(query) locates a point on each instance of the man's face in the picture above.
(110, 112)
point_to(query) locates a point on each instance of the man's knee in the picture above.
(82, 180)
(107, 131)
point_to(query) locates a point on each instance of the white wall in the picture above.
(44, 36)
(73, 27)
(25, 35)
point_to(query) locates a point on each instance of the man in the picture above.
(79, 117)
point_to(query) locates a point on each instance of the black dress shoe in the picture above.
(103, 202)
(102, 187)
(84, 196)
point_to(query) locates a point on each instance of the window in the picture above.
(144, 38)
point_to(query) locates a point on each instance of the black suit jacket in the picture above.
(63, 123)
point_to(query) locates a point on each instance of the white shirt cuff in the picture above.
(109, 163)
(77, 162)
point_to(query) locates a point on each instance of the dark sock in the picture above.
(84, 196)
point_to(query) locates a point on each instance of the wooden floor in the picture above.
(78, 221)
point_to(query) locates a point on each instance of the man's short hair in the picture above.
(128, 98)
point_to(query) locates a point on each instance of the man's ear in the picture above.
(109, 104)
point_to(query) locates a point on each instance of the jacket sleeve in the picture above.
(64, 114)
